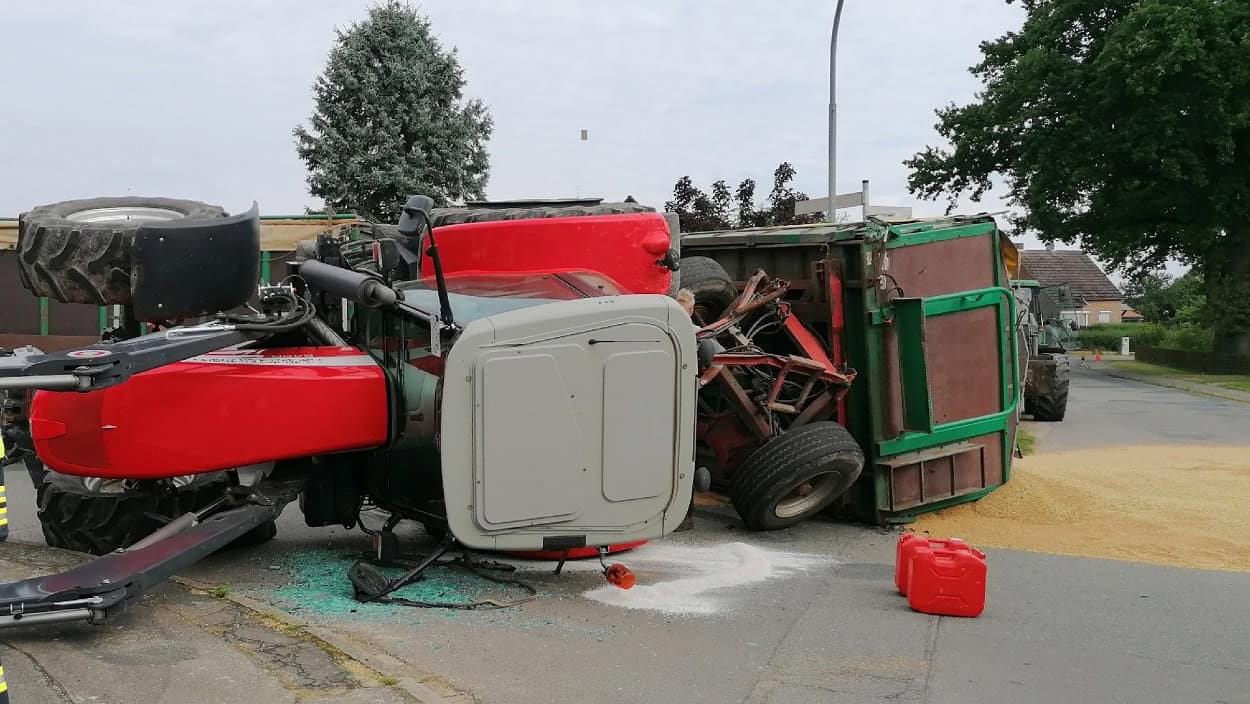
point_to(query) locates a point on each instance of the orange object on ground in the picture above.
(620, 576)
(908, 543)
(946, 582)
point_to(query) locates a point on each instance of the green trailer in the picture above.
(924, 313)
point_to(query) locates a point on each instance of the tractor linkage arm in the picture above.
(101, 365)
(107, 585)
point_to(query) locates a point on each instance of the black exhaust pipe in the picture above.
(364, 289)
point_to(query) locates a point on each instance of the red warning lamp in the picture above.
(619, 575)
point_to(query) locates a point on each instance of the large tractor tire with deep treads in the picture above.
(795, 475)
(80, 251)
(1046, 392)
(98, 522)
(711, 285)
(459, 216)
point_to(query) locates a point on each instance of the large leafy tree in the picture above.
(698, 211)
(391, 119)
(1123, 125)
(719, 210)
(1161, 298)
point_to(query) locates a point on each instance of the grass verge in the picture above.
(1237, 382)
(1025, 440)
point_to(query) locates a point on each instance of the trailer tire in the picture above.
(74, 517)
(711, 285)
(1047, 399)
(459, 216)
(821, 456)
(75, 260)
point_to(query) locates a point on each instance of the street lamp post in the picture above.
(831, 214)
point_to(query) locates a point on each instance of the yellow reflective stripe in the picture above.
(1, 488)
(3, 510)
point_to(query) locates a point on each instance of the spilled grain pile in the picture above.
(1182, 506)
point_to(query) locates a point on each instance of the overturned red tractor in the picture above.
(543, 397)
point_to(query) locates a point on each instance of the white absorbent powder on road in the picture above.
(689, 579)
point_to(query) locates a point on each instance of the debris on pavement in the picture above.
(703, 576)
(317, 585)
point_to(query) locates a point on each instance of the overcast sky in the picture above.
(198, 99)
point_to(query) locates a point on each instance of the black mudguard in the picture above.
(187, 268)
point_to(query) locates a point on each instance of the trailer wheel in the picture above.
(75, 517)
(711, 285)
(79, 251)
(795, 475)
(1046, 395)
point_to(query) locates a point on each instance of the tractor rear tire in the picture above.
(820, 458)
(711, 285)
(460, 216)
(1047, 393)
(65, 254)
(76, 518)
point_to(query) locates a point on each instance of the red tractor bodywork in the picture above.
(216, 411)
(187, 417)
(629, 249)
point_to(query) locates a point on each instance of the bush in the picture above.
(1107, 337)
(1188, 338)
(1176, 337)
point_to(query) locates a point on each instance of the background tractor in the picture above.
(1045, 337)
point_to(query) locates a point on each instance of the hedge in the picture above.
(1177, 337)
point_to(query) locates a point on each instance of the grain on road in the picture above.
(1169, 505)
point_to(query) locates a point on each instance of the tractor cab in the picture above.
(529, 390)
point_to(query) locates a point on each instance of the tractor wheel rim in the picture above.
(125, 213)
(808, 495)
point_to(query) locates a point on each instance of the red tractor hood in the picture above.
(216, 411)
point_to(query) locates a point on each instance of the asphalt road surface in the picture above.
(1105, 411)
(807, 614)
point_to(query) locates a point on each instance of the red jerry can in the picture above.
(947, 582)
(908, 543)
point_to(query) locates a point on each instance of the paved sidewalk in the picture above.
(178, 646)
(1173, 383)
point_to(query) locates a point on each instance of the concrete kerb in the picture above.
(384, 664)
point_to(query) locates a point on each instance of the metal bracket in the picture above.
(102, 364)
